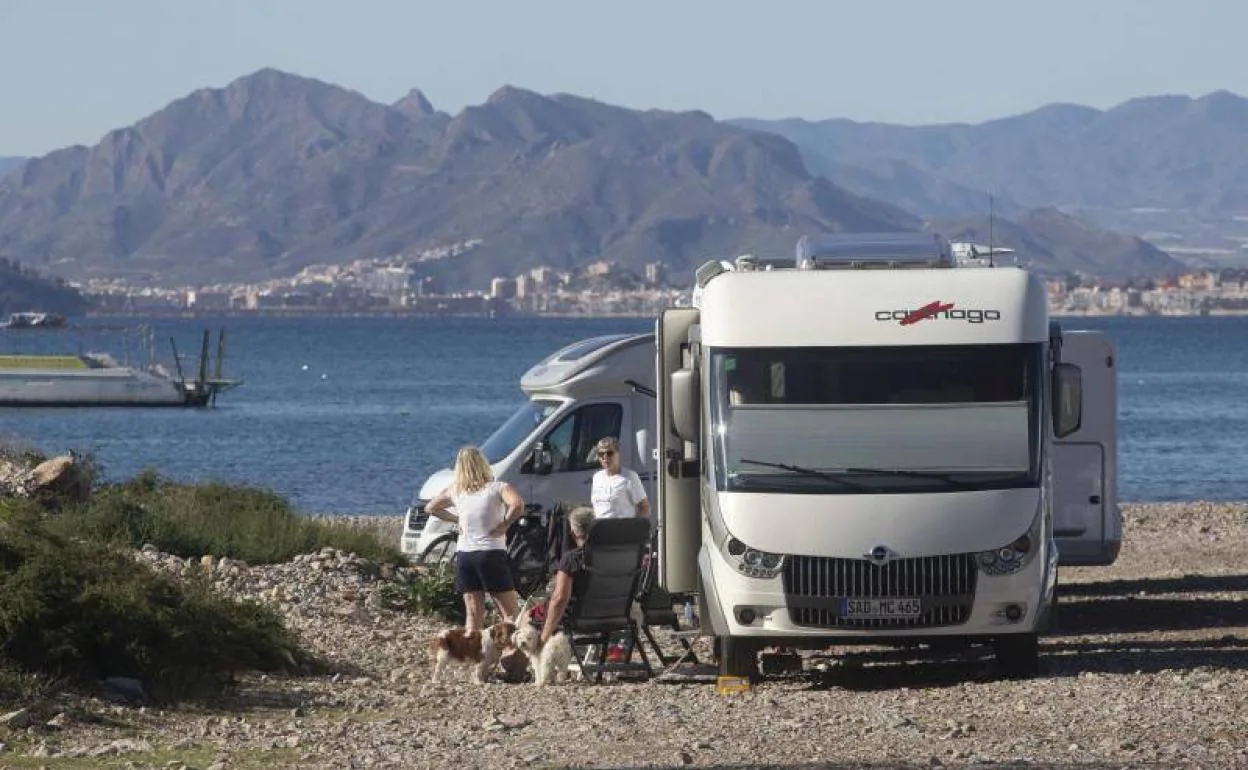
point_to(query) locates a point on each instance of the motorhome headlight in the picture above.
(1012, 557)
(751, 561)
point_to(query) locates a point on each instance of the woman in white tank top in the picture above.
(484, 509)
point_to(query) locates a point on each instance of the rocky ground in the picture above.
(1148, 668)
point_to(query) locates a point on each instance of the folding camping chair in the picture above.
(604, 591)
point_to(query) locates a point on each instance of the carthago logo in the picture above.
(938, 310)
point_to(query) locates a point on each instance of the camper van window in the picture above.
(572, 441)
(518, 427)
(903, 419)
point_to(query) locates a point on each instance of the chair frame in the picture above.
(617, 533)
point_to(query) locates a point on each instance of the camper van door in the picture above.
(573, 457)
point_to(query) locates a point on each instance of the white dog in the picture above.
(550, 660)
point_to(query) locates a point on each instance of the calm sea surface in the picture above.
(348, 415)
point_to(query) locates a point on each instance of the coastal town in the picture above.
(403, 285)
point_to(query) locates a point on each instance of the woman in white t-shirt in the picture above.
(617, 492)
(484, 509)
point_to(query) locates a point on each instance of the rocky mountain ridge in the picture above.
(275, 172)
(1173, 169)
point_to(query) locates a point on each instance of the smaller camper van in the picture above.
(592, 388)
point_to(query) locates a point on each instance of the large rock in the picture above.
(63, 478)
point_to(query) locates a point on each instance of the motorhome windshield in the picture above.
(518, 427)
(876, 420)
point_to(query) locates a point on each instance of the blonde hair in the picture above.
(580, 520)
(472, 470)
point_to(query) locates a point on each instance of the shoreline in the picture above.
(402, 313)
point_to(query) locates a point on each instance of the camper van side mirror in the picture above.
(1067, 399)
(686, 388)
(541, 461)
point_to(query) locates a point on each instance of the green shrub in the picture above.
(190, 520)
(430, 594)
(80, 610)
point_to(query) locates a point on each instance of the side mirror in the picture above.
(1067, 399)
(540, 460)
(686, 411)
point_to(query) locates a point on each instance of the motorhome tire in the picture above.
(738, 656)
(1018, 655)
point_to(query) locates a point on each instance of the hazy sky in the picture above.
(71, 70)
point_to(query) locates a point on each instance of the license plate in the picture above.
(882, 608)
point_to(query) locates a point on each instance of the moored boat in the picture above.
(97, 379)
(31, 320)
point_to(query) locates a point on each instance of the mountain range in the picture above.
(1172, 167)
(276, 172)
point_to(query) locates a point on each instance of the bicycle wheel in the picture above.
(441, 554)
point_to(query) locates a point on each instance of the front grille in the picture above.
(418, 518)
(816, 586)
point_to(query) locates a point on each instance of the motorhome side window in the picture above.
(572, 441)
(881, 419)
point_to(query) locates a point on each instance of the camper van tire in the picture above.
(738, 657)
(1018, 655)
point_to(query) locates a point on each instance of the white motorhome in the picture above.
(868, 443)
(872, 443)
(587, 390)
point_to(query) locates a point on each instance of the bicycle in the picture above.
(526, 551)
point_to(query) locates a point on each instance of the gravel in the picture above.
(1147, 667)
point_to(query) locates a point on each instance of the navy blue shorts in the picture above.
(483, 571)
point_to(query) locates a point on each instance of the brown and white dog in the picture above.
(455, 647)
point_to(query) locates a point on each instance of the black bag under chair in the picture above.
(603, 592)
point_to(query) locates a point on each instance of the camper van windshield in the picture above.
(517, 428)
(876, 420)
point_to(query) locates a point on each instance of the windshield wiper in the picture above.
(825, 475)
(937, 475)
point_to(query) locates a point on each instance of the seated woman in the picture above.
(572, 562)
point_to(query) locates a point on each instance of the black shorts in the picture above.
(483, 571)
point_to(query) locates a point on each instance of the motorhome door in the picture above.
(1087, 520)
(679, 507)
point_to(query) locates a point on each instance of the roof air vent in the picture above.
(873, 250)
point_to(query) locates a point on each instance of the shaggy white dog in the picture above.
(551, 660)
